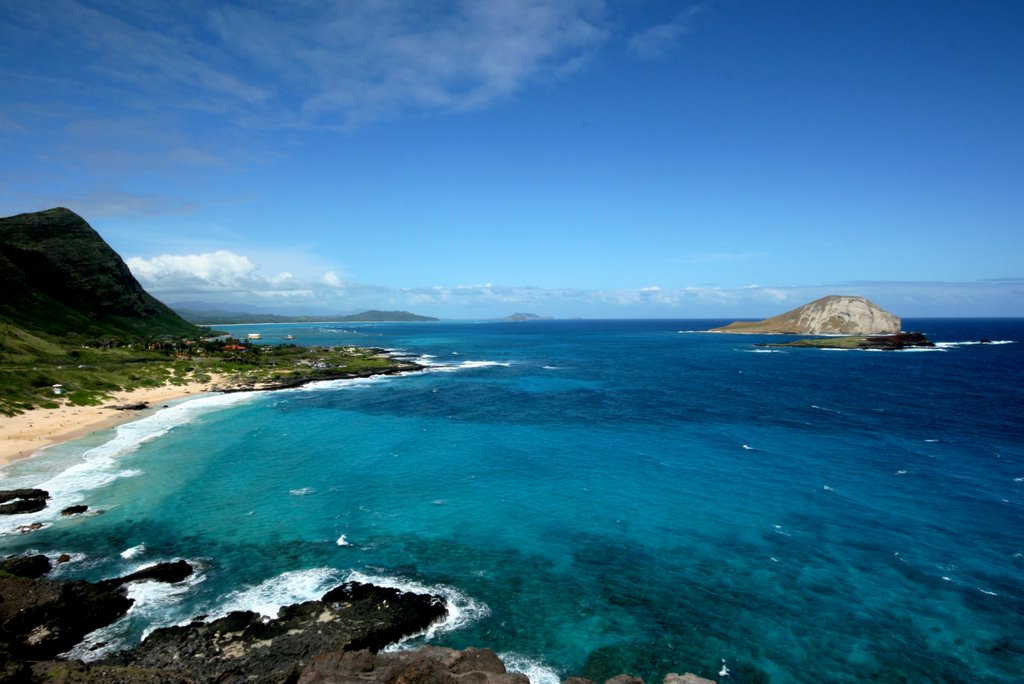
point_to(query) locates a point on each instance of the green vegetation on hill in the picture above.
(75, 326)
(31, 366)
(59, 277)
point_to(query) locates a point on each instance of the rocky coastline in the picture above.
(400, 366)
(337, 639)
(41, 618)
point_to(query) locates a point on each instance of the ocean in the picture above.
(592, 498)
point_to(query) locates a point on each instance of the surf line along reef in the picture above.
(337, 638)
(42, 618)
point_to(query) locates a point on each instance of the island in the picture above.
(831, 315)
(526, 317)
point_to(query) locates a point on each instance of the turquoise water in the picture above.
(595, 498)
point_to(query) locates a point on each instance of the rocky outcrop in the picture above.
(32, 567)
(171, 573)
(428, 665)
(350, 617)
(832, 315)
(136, 406)
(40, 618)
(335, 640)
(877, 342)
(15, 501)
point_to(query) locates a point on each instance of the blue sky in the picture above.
(591, 158)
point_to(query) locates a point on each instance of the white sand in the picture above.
(26, 433)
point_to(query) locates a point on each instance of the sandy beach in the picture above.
(24, 434)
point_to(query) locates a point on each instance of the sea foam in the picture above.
(462, 608)
(269, 596)
(155, 604)
(536, 672)
(102, 464)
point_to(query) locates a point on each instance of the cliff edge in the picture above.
(58, 276)
(831, 315)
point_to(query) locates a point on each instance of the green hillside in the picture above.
(59, 277)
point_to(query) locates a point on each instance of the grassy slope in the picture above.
(31, 364)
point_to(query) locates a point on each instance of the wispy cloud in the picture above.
(236, 280)
(657, 41)
(301, 64)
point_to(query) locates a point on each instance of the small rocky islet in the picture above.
(849, 322)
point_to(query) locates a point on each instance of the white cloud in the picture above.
(236, 281)
(331, 279)
(208, 272)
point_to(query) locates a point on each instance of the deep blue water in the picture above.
(597, 497)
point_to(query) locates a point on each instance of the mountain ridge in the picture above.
(60, 277)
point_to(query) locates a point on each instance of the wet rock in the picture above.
(40, 618)
(350, 617)
(15, 501)
(172, 572)
(77, 509)
(32, 567)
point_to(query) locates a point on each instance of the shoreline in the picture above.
(23, 435)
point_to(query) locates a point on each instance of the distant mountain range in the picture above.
(214, 317)
(526, 317)
(59, 277)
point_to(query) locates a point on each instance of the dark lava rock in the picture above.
(139, 406)
(14, 501)
(76, 672)
(32, 567)
(901, 340)
(430, 665)
(75, 510)
(40, 618)
(161, 572)
(244, 646)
